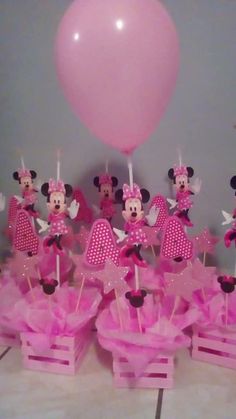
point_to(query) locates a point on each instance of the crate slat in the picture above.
(214, 346)
(158, 374)
(64, 360)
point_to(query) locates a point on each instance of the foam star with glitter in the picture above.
(182, 284)
(205, 242)
(81, 270)
(204, 274)
(113, 277)
(23, 266)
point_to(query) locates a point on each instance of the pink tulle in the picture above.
(52, 316)
(213, 310)
(159, 334)
(47, 265)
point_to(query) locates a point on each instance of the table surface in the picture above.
(201, 391)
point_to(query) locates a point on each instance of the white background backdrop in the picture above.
(201, 117)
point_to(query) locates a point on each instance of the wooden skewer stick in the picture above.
(174, 308)
(119, 311)
(80, 293)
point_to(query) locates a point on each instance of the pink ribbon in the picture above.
(181, 170)
(105, 179)
(129, 192)
(56, 186)
(24, 173)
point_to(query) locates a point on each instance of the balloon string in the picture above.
(22, 162)
(107, 165)
(58, 164)
(180, 157)
(131, 175)
(58, 275)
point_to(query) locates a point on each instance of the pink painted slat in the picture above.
(9, 338)
(156, 375)
(212, 344)
(215, 332)
(214, 359)
(61, 355)
(45, 367)
(143, 383)
(64, 360)
(151, 368)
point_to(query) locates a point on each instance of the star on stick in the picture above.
(23, 266)
(182, 284)
(81, 269)
(205, 242)
(204, 275)
(112, 277)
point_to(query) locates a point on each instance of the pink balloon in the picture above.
(117, 61)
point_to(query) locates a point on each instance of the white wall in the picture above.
(35, 116)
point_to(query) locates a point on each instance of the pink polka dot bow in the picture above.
(129, 192)
(56, 186)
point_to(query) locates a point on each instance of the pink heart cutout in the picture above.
(12, 212)
(101, 245)
(175, 243)
(25, 238)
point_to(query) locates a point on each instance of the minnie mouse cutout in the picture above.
(106, 184)
(132, 200)
(227, 283)
(136, 298)
(26, 177)
(49, 285)
(180, 176)
(230, 234)
(56, 193)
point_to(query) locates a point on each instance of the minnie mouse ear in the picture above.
(144, 293)
(128, 295)
(15, 176)
(145, 195)
(44, 189)
(69, 190)
(233, 182)
(55, 282)
(96, 181)
(119, 196)
(220, 279)
(190, 171)
(171, 174)
(114, 181)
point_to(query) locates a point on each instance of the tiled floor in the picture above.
(201, 391)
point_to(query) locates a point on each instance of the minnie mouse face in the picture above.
(182, 182)
(227, 283)
(48, 285)
(26, 181)
(56, 200)
(105, 185)
(180, 177)
(106, 191)
(133, 210)
(136, 298)
(133, 205)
